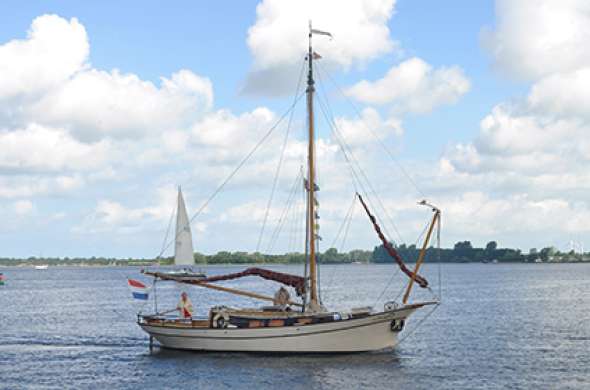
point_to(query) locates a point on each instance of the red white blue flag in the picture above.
(138, 289)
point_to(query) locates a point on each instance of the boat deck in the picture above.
(252, 318)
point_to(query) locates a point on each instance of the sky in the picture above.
(107, 107)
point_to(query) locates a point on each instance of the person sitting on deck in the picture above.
(281, 298)
(185, 306)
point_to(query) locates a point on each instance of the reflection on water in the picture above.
(515, 326)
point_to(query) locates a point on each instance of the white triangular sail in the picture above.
(183, 248)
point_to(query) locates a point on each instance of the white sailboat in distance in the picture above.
(301, 323)
(183, 245)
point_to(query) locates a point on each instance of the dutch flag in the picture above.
(138, 289)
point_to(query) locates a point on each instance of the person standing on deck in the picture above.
(185, 306)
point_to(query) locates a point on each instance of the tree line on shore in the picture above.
(462, 252)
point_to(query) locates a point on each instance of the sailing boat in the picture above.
(293, 325)
(183, 245)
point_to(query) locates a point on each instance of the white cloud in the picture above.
(111, 215)
(17, 186)
(528, 170)
(534, 38)
(544, 135)
(413, 86)
(46, 79)
(60, 117)
(77, 134)
(358, 131)
(524, 144)
(54, 49)
(515, 215)
(563, 94)
(37, 149)
(222, 127)
(280, 33)
(94, 104)
(222, 139)
(507, 132)
(278, 39)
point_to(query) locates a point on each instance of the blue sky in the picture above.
(479, 127)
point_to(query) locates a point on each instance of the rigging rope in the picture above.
(381, 143)
(387, 285)
(278, 170)
(294, 220)
(284, 213)
(351, 160)
(342, 142)
(415, 328)
(403, 287)
(347, 229)
(344, 225)
(346, 216)
(168, 230)
(232, 174)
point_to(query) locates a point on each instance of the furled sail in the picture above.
(295, 281)
(183, 248)
(422, 282)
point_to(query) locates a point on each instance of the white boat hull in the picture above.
(355, 335)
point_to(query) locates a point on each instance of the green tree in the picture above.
(490, 251)
(380, 255)
(547, 253)
(463, 251)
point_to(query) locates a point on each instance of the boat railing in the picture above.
(167, 319)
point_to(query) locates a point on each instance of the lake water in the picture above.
(515, 326)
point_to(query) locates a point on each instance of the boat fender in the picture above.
(221, 320)
(397, 325)
(345, 315)
(390, 306)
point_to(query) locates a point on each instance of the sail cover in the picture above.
(422, 282)
(183, 248)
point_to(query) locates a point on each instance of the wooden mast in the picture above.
(313, 298)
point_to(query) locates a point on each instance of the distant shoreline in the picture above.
(27, 264)
(462, 252)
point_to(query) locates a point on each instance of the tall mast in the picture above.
(313, 298)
